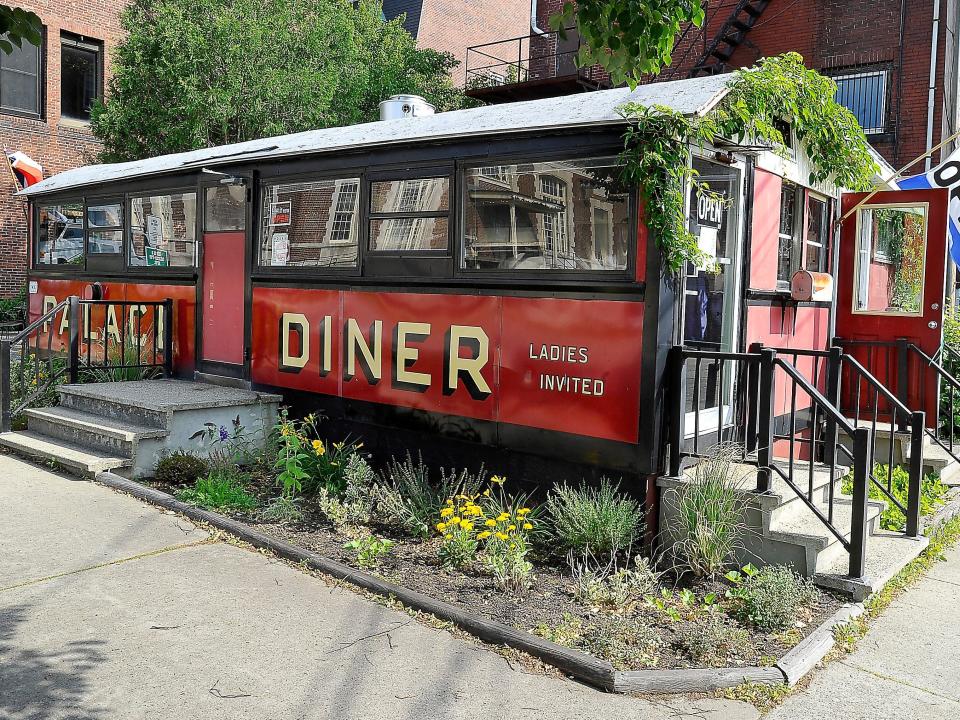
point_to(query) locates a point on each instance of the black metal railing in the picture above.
(788, 421)
(83, 341)
(938, 373)
(528, 58)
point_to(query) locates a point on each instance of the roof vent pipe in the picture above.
(405, 106)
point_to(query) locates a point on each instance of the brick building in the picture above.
(878, 51)
(45, 98)
(452, 25)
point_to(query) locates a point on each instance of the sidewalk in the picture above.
(907, 667)
(110, 608)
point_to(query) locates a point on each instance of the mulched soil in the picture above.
(634, 638)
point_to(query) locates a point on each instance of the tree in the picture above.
(628, 38)
(17, 25)
(197, 73)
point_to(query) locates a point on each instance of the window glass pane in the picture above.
(430, 233)
(79, 80)
(60, 235)
(105, 242)
(891, 250)
(225, 208)
(410, 196)
(865, 95)
(564, 215)
(19, 79)
(311, 224)
(816, 239)
(163, 230)
(109, 215)
(788, 211)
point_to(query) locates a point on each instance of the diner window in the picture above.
(60, 235)
(105, 229)
(788, 233)
(20, 80)
(865, 95)
(410, 215)
(817, 235)
(311, 224)
(80, 75)
(225, 208)
(163, 230)
(558, 215)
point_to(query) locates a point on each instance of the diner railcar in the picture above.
(479, 279)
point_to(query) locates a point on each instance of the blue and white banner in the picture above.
(944, 175)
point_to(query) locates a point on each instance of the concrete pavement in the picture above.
(110, 608)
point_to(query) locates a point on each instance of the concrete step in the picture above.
(76, 460)
(97, 432)
(887, 554)
(81, 399)
(939, 460)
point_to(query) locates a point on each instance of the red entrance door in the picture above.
(222, 302)
(890, 285)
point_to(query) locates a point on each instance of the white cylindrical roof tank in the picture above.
(405, 106)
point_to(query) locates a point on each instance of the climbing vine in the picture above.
(657, 145)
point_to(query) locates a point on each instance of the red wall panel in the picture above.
(765, 243)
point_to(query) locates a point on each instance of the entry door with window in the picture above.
(711, 292)
(891, 283)
(222, 303)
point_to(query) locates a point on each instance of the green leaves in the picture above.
(197, 73)
(18, 25)
(627, 38)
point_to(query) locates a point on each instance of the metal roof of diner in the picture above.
(695, 96)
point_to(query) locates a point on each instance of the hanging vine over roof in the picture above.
(778, 88)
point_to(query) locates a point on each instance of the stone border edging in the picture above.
(599, 673)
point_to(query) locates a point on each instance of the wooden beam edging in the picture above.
(799, 661)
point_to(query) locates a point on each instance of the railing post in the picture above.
(903, 368)
(753, 400)
(834, 374)
(73, 347)
(862, 462)
(168, 337)
(765, 419)
(677, 407)
(918, 423)
(5, 418)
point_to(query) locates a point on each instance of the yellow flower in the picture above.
(523, 511)
(486, 493)
(501, 536)
(490, 523)
(446, 512)
(318, 447)
(513, 545)
(511, 527)
(527, 526)
(497, 480)
(484, 535)
(466, 525)
(448, 536)
(285, 431)
(441, 526)
(455, 520)
(503, 516)
(449, 502)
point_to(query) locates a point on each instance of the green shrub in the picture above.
(13, 310)
(221, 490)
(709, 514)
(282, 510)
(408, 500)
(612, 586)
(932, 494)
(770, 599)
(180, 468)
(370, 550)
(598, 520)
(715, 642)
(627, 643)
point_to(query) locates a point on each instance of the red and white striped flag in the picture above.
(26, 171)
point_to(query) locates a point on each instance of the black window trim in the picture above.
(35, 223)
(41, 84)
(104, 261)
(443, 171)
(308, 271)
(628, 274)
(128, 234)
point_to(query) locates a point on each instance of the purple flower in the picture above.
(223, 433)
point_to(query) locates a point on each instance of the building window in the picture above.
(865, 95)
(817, 235)
(561, 215)
(788, 232)
(163, 230)
(410, 215)
(60, 235)
(310, 224)
(225, 208)
(80, 75)
(20, 80)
